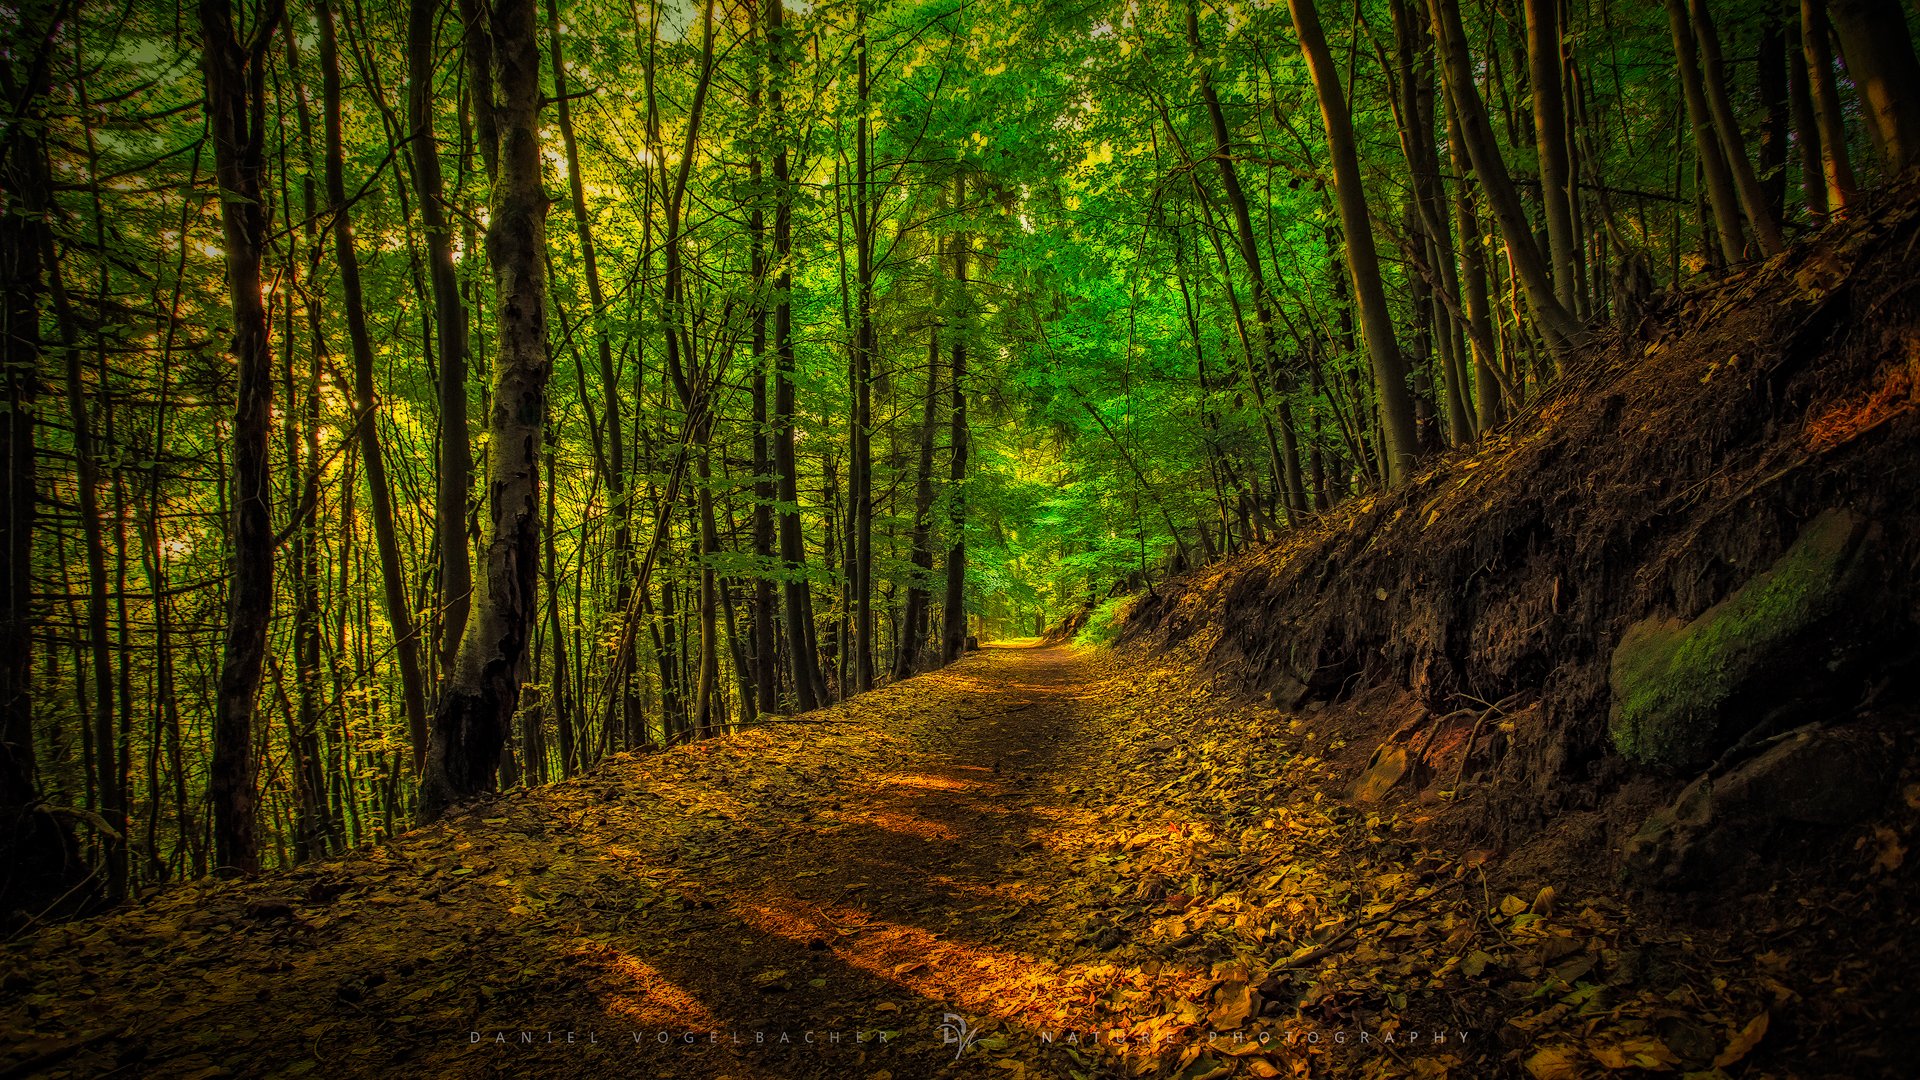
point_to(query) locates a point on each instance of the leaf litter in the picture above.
(1103, 866)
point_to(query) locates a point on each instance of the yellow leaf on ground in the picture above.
(1554, 1063)
(1640, 1053)
(1743, 1041)
(1232, 1004)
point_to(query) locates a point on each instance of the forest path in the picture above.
(808, 897)
(1095, 862)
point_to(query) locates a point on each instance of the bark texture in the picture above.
(483, 690)
(235, 73)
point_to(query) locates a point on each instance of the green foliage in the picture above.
(1106, 621)
(1123, 414)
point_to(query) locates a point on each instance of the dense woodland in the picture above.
(405, 401)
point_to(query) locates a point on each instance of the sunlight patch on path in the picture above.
(643, 996)
(1008, 986)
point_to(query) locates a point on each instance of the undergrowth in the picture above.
(1104, 624)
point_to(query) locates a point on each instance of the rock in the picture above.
(1287, 693)
(1389, 765)
(1678, 686)
(1811, 776)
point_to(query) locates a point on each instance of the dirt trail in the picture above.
(1082, 864)
(848, 879)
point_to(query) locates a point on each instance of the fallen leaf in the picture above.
(1743, 1041)
(1233, 1002)
(1386, 772)
(1892, 852)
(1554, 1063)
(1475, 963)
(1636, 1053)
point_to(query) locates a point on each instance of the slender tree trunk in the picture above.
(1263, 303)
(859, 554)
(484, 688)
(1476, 132)
(1806, 125)
(1816, 44)
(913, 623)
(406, 638)
(1778, 123)
(110, 794)
(1432, 235)
(766, 676)
(953, 630)
(808, 688)
(706, 708)
(1488, 411)
(560, 693)
(36, 851)
(454, 462)
(300, 434)
(1879, 50)
(1276, 464)
(766, 681)
(615, 471)
(1550, 137)
(1363, 263)
(236, 117)
(1753, 198)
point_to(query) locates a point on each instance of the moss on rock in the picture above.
(1677, 685)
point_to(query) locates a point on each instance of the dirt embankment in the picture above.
(1672, 465)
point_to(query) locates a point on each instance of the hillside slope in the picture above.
(1666, 468)
(1659, 632)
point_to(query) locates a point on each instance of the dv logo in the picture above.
(955, 1032)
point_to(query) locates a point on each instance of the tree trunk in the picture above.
(706, 708)
(953, 629)
(1476, 132)
(1363, 263)
(859, 554)
(913, 623)
(406, 638)
(454, 464)
(1432, 233)
(1488, 411)
(1816, 45)
(1288, 474)
(109, 795)
(808, 686)
(614, 472)
(236, 118)
(1806, 125)
(36, 850)
(1879, 51)
(1714, 170)
(300, 436)
(483, 690)
(560, 693)
(1753, 198)
(1778, 124)
(766, 679)
(1550, 137)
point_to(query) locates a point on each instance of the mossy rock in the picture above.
(1683, 690)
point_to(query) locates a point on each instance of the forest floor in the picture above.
(1040, 861)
